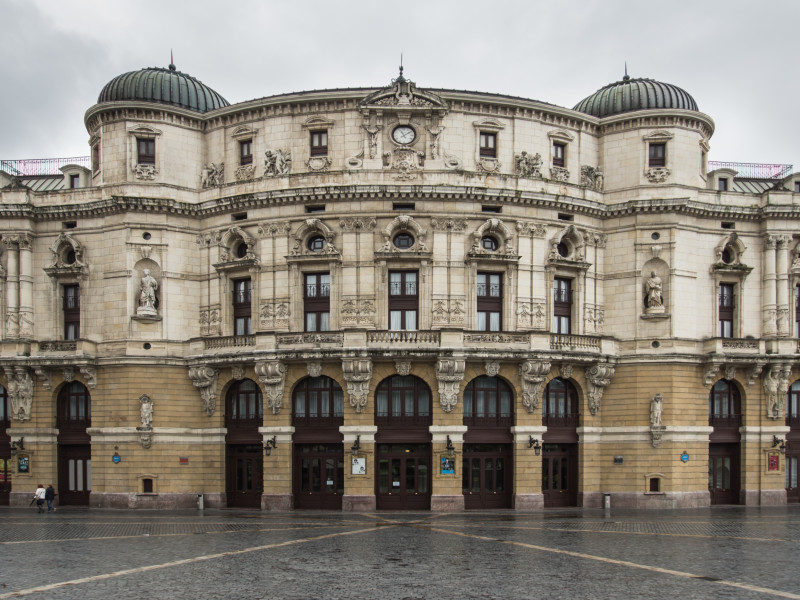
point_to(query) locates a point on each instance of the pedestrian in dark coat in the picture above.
(49, 496)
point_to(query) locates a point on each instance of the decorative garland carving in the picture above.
(204, 379)
(449, 373)
(533, 374)
(272, 375)
(657, 174)
(598, 376)
(357, 372)
(526, 165)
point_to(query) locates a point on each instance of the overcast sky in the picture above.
(737, 58)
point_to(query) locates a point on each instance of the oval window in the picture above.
(489, 243)
(727, 256)
(563, 249)
(316, 243)
(404, 241)
(70, 257)
(241, 250)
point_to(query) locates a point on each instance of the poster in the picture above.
(448, 466)
(23, 464)
(359, 466)
(772, 462)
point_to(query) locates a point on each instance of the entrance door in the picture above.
(486, 476)
(560, 475)
(723, 473)
(404, 477)
(245, 476)
(792, 458)
(318, 476)
(5, 480)
(74, 474)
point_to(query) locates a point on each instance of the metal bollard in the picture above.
(607, 501)
(199, 501)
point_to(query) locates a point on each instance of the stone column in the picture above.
(782, 284)
(25, 287)
(769, 320)
(12, 288)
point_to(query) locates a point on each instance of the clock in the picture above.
(404, 134)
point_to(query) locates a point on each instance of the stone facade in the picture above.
(405, 183)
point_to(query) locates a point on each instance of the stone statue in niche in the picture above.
(277, 162)
(146, 411)
(654, 300)
(656, 406)
(147, 295)
(771, 382)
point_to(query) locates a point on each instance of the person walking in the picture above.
(49, 496)
(39, 497)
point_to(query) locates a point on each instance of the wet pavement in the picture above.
(721, 552)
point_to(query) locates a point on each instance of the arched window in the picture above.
(317, 401)
(402, 400)
(724, 405)
(793, 405)
(560, 404)
(243, 404)
(74, 407)
(488, 402)
(5, 415)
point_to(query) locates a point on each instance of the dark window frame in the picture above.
(318, 142)
(246, 152)
(726, 297)
(74, 407)
(242, 306)
(487, 145)
(657, 154)
(404, 298)
(562, 305)
(316, 300)
(317, 402)
(244, 405)
(489, 295)
(724, 405)
(494, 412)
(402, 392)
(146, 151)
(560, 404)
(559, 154)
(71, 306)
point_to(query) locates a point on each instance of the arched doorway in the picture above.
(792, 442)
(560, 415)
(487, 466)
(244, 462)
(403, 444)
(318, 451)
(5, 449)
(74, 416)
(724, 415)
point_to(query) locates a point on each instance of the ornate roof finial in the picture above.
(626, 77)
(400, 77)
(171, 61)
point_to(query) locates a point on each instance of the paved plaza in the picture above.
(725, 552)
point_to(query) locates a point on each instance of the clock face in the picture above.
(403, 134)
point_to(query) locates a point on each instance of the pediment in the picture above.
(404, 95)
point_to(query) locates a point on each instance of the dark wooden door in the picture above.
(74, 474)
(245, 475)
(486, 476)
(318, 476)
(723, 473)
(792, 460)
(403, 477)
(560, 475)
(5, 479)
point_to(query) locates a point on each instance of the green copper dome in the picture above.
(164, 86)
(629, 95)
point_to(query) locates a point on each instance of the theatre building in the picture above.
(398, 298)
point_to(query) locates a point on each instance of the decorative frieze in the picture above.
(273, 315)
(204, 379)
(657, 174)
(272, 375)
(358, 312)
(357, 373)
(358, 223)
(559, 174)
(311, 338)
(537, 230)
(533, 374)
(497, 338)
(526, 165)
(209, 322)
(58, 346)
(448, 312)
(449, 374)
(454, 224)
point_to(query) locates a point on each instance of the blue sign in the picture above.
(116, 458)
(685, 457)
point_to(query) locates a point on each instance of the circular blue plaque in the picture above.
(116, 458)
(685, 457)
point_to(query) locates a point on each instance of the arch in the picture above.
(572, 239)
(231, 240)
(660, 269)
(488, 401)
(244, 404)
(308, 229)
(729, 251)
(793, 404)
(317, 400)
(403, 399)
(74, 407)
(725, 404)
(561, 403)
(493, 227)
(407, 224)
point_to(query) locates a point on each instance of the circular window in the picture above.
(655, 344)
(316, 243)
(70, 257)
(489, 243)
(727, 256)
(146, 346)
(146, 235)
(404, 241)
(563, 249)
(655, 235)
(241, 250)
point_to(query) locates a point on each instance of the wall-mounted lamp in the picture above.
(534, 443)
(271, 443)
(18, 445)
(776, 441)
(451, 450)
(356, 446)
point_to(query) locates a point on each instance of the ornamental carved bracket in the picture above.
(272, 375)
(20, 392)
(357, 373)
(533, 373)
(205, 378)
(598, 376)
(776, 385)
(90, 373)
(449, 374)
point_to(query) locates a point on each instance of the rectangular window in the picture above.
(72, 312)
(562, 305)
(246, 152)
(403, 300)
(146, 151)
(95, 158)
(797, 186)
(242, 292)
(74, 182)
(658, 155)
(488, 145)
(317, 301)
(319, 143)
(490, 301)
(797, 311)
(559, 154)
(722, 184)
(726, 307)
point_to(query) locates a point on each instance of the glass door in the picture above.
(560, 475)
(245, 476)
(319, 476)
(403, 477)
(486, 476)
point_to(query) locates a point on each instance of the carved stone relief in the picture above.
(274, 315)
(533, 374)
(357, 373)
(314, 369)
(598, 377)
(358, 312)
(449, 373)
(146, 428)
(403, 367)
(445, 312)
(277, 163)
(245, 172)
(526, 165)
(318, 163)
(213, 174)
(492, 368)
(657, 174)
(204, 379)
(145, 172)
(209, 322)
(592, 177)
(559, 174)
(272, 375)
(20, 392)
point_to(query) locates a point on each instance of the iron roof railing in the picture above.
(753, 170)
(27, 167)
